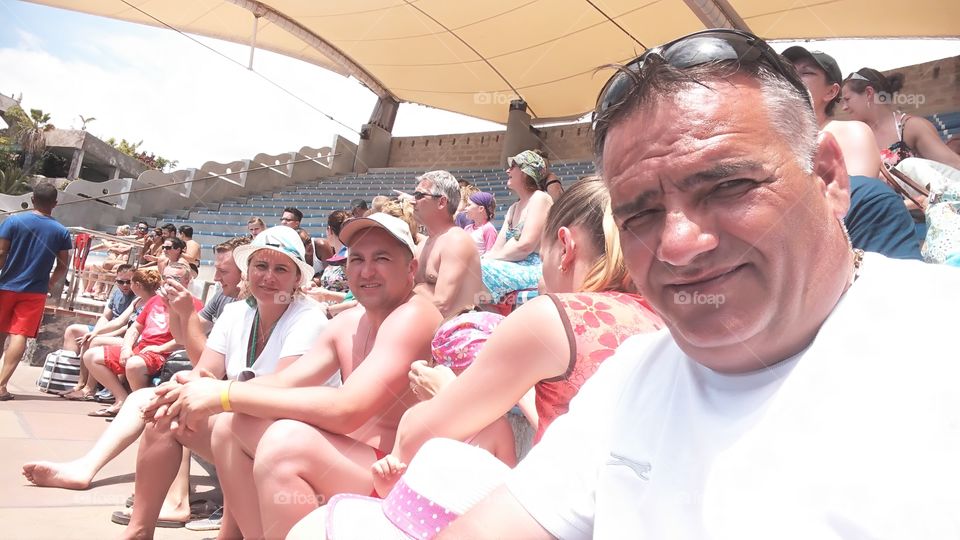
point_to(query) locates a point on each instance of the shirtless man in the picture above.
(449, 273)
(274, 472)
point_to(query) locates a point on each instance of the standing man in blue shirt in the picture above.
(29, 245)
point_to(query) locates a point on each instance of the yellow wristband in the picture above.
(225, 398)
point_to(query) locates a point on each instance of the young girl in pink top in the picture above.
(481, 211)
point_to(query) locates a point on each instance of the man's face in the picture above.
(142, 230)
(289, 220)
(177, 274)
(168, 233)
(123, 281)
(719, 224)
(815, 79)
(379, 269)
(227, 274)
(428, 207)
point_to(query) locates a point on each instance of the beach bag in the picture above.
(176, 362)
(61, 371)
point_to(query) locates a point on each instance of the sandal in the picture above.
(77, 395)
(106, 412)
(120, 517)
(6, 396)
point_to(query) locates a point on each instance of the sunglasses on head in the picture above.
(700, 48)
(419, 195)
(857, 77)
(122, 281)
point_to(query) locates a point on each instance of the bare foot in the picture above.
(69, 475)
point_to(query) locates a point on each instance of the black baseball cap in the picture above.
(822, 59)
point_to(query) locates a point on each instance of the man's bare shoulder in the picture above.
(457, 239)
(416, 310)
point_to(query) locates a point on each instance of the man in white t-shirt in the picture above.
(796, 394)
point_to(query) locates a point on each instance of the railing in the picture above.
(83, 240)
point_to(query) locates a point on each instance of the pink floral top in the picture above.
(596, 324)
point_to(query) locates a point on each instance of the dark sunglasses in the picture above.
(122, 281)
(419, 195)
(143, 228)
(701, 48)
(169, 247)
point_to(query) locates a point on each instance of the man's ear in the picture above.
(829, 166)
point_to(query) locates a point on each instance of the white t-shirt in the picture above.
(294, 334)
(857, 436)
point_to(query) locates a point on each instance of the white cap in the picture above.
(281, 239)
(397, 227)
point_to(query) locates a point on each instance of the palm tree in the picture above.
(13, 181)
(30, 130)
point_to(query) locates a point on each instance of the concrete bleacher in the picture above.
(216, 221)
(946, 124)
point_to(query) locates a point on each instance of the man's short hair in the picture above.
(446, 184)
(186, 230)
(45, 194)
(169, 227)
(790, 114)
(124, 268)
(297, 213)
(181, 266)
(231, 244)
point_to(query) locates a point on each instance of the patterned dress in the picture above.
(596, 324)
(504, 277)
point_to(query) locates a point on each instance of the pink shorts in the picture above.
(21, 313)
(153, 360)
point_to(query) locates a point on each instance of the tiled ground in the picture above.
(39, 426)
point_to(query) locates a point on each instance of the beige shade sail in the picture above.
(474, 57)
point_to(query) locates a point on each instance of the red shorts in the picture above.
(153, 360)
(21, 313)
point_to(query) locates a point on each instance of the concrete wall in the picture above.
(438, 151)
(97, 154)
(99, 205)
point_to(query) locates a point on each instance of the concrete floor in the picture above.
(40, 426)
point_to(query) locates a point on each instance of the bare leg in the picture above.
(138, 376)
(235, 438)
(78, 474)
(102, 374)
(71, 335)
(11, 358)
(159, 459)
(298, 467)
(228, 526)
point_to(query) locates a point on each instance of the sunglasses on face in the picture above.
(419, 195)
(122, 281)
(697, 49)
(143, 229)
(169, 247)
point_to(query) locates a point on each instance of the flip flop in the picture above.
(106, 412)
(122, 518)
(6, 397)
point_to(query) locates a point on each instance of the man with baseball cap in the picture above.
(877, 219)
(449, 269)
(823, 78)
(288, 434)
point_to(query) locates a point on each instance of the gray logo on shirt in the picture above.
(640, 468)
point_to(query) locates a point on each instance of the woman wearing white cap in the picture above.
(273, 327)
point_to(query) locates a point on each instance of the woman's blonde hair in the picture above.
(586, 206)
(404, 211)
